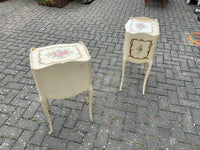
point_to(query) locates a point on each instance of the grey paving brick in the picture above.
(7, 108)
(192, 139)
(77, 136)
(183, 146)
(179, 109)
(111, 99)
(99, 106)
(119, 145)
(117, 126)
(196, 82)
(27, 124)
(130, 119)
(170, 115)
(147, 130)
(99, 94)
(132, 91)
(73, 146)
(172, 97)
(188, 124)
(15, 116)
(7, 144)
(39, 135)
(137, 101)
(189, 103)
(153, 143)
(157, 122)
(177, 132)
(88, 142)
(107, 79)
(66, 133)
(62, 111)
(102, 137)
(126, 107)
(72, 119)
(163, 103)
(72, 104)
(29, 113)
(141, 115)
(165, 138)
(133, 138)
(104, 120)
(15, 85)
(40, 116)
(190, 87)
(152, 108)
(11, 132)
(35, 147)
(196, 116)
(57, 125)
(86, 127)
(84, 115)
(193, 97)
(3, 118)
(97, 84)
(21, 102)
(198, 129)
(113, 113)
(54, 143)
(161, 77)
(23, 140)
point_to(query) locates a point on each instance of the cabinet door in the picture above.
(139, 48)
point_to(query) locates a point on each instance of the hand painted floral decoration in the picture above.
(58, 53)
(140, 26)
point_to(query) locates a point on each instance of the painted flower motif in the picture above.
(59, 54)
(140, 26)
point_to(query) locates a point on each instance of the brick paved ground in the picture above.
(166, 118)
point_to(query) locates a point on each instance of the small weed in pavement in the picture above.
(27, 118)
(157, 137)
(41, 122)
(158, 114)
(153, 126)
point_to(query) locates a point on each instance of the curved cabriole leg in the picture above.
(48, 106)
(90, 103)
(146, 76)
(144, 67)
(43, 101)
(123, 70)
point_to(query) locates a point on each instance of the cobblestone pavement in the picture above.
(166, 118)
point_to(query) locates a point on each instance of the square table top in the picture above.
(142, 25)
(58, 54)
